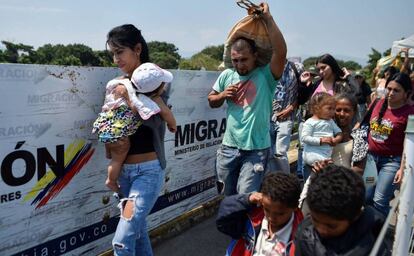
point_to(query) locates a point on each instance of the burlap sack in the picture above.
(252, 27)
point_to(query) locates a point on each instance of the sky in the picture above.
(347, 29)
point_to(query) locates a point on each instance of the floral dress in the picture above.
(116, 119)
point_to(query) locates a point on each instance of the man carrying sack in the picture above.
(248, 90)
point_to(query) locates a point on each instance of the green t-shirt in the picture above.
(248, 116)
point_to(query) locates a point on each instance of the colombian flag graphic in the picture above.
(77, 155)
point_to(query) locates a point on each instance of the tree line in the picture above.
(162, 53)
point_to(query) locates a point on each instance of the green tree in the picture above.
(164, 54)
(309, 62)
(26, 54)
(200, 61)
(164, 60)
(69, 60)
(215, 52)
(45, 54)
(84, 53)
(2, 56)
(72, 54)
(373, 57)
(209, 59)
(105, 59)
(186, 64)
(387, 52)
(11, 53)
(15, 53)
(350, 65)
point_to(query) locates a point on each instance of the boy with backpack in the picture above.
(265, 222)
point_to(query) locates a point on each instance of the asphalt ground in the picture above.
(201, 239)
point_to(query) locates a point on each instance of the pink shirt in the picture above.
(320, 88)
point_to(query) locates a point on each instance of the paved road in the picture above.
(201, 239)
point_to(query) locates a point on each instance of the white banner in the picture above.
(53, 200)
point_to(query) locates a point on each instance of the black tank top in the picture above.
(141, 141)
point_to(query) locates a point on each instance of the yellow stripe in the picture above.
(70, 152)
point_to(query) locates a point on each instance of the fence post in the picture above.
(405, 215)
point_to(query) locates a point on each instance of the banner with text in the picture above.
(53, 199)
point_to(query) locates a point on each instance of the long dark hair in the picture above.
(331, 62)
(128, 35)
(405, 82)
(392, 71)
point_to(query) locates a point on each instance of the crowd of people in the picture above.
(350, 159)
(325, 207)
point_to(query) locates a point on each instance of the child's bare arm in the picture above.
(121, 91)
(326, 141)
(166, 114)
(337, 139)
(131, 104)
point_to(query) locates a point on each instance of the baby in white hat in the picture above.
(117, 120)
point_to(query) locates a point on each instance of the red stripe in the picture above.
(67, 178)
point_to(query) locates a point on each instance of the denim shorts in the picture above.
(142, 184)
(240, 171)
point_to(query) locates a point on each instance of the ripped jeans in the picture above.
(240, 171)
(142, 184)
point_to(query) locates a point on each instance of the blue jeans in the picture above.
(306, 171)
(142, 184)
(240, 171)
(384, 191)
(280, 133)
(300, 167)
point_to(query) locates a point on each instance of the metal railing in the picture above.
(403, 241)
